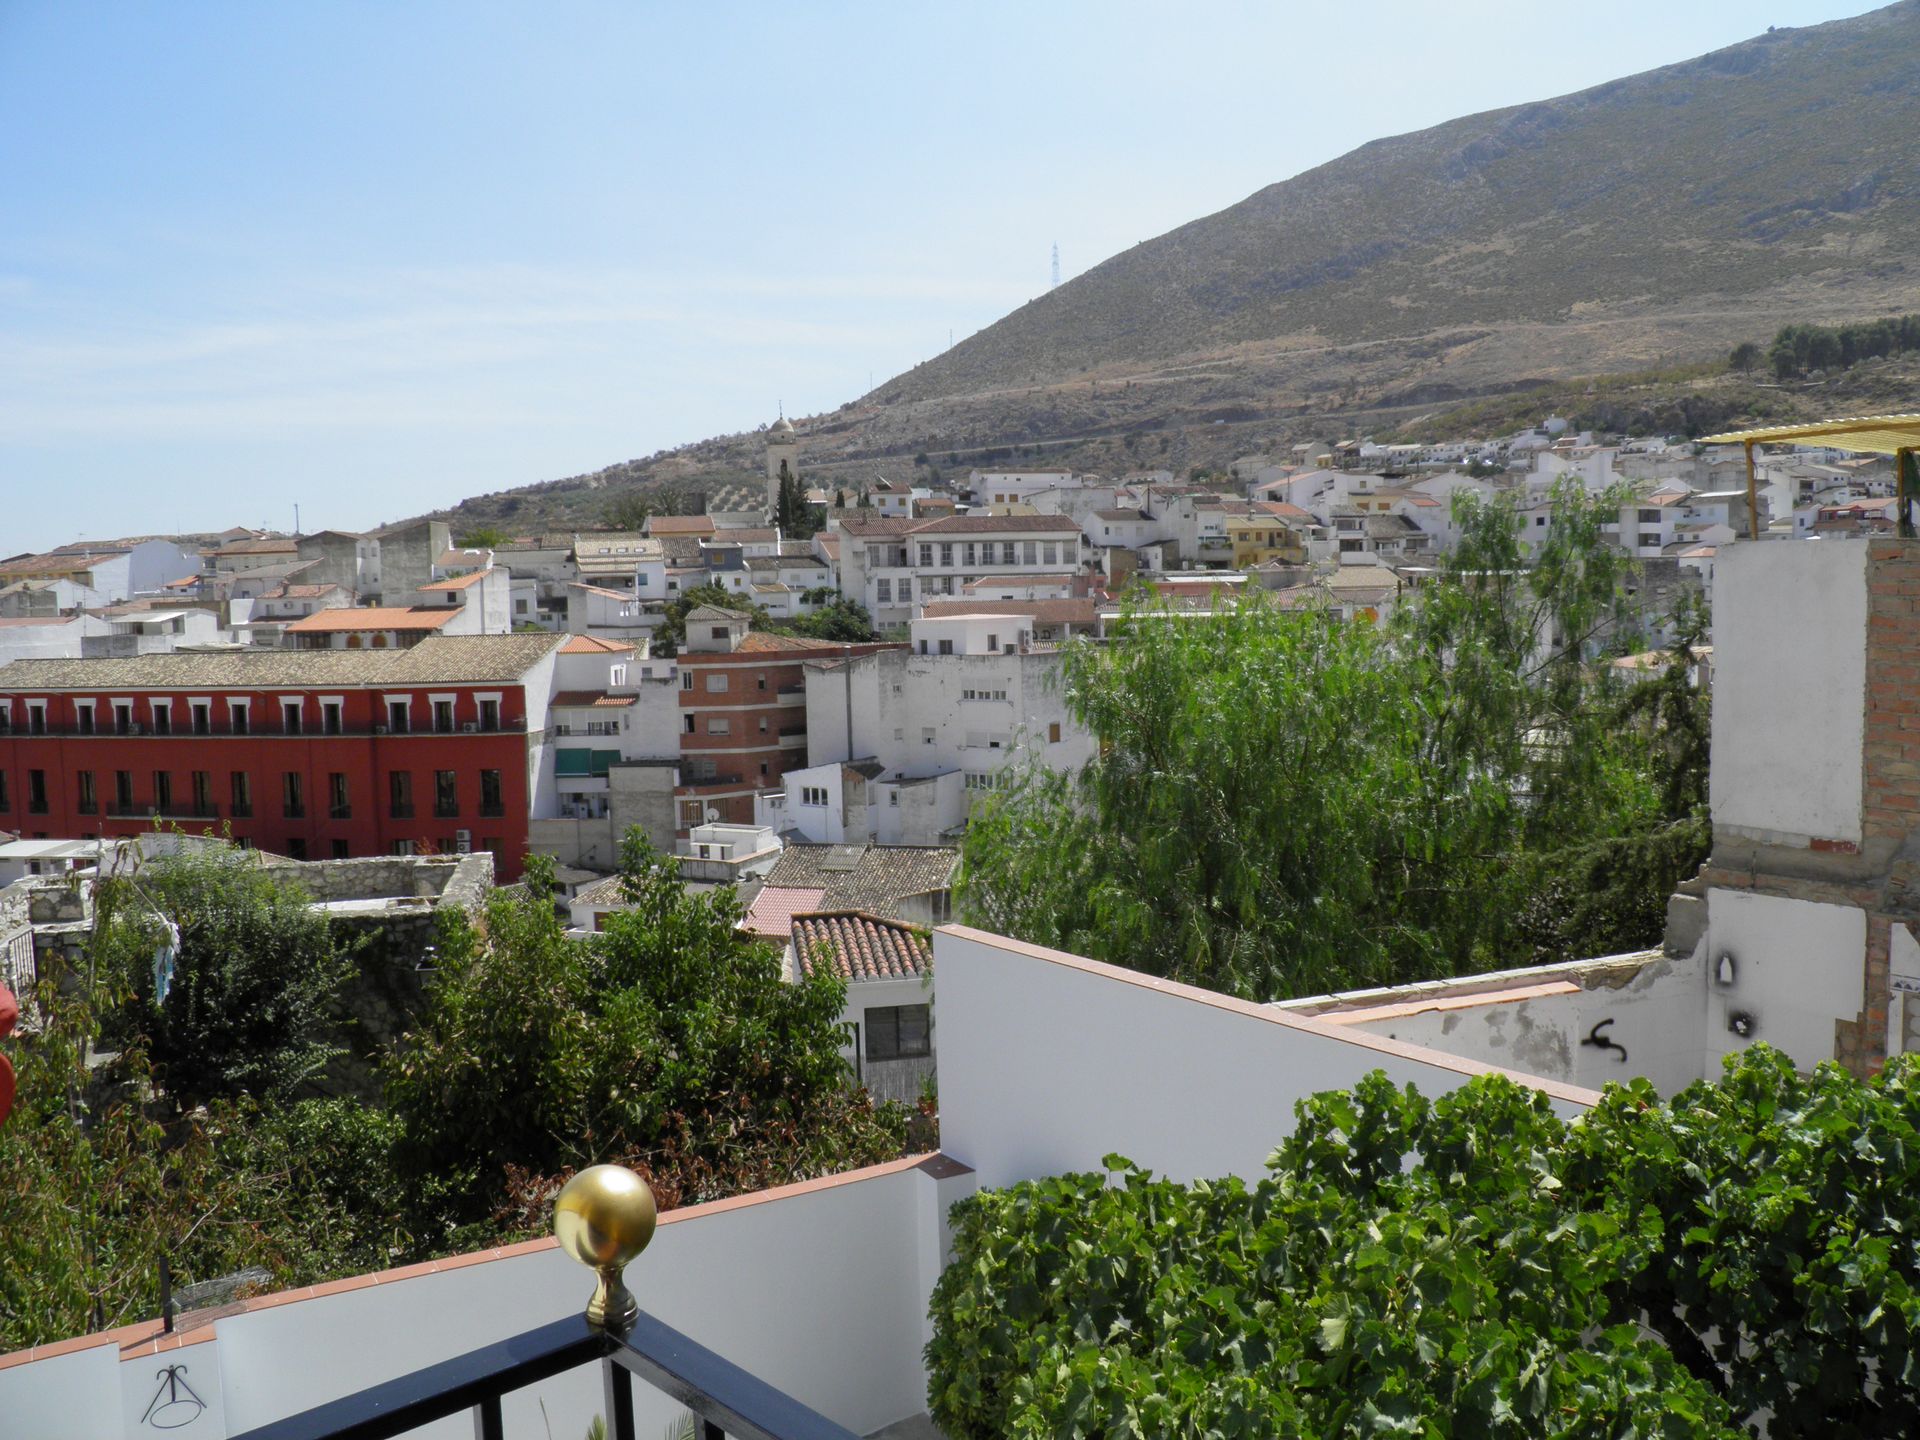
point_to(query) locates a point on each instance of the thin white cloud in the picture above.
(469, 345)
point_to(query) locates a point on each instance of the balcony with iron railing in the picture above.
(604, 1218)
(303, 731)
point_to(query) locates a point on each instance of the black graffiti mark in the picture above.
(1601, 1042)
(174, 1404)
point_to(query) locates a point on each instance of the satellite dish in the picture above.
(712, 814)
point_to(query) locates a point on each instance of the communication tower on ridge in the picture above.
(1056, 266)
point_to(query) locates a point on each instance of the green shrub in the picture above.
(1471, 1267)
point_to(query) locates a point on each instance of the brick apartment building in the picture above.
(312, 754)
(743, 713)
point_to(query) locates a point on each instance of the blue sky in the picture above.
(371, 258)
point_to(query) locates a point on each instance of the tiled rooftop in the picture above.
(1045, 612)
(772, 912)
(874, 878)
(372, 617)
(858, 946)
(438, 659)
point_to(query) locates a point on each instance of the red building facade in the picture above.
(313, 755)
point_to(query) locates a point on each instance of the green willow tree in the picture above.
(1283, 803)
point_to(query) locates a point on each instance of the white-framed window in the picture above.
(813, 795)
(883, 591)
(686, 679)
(716, 681)
(719, 725)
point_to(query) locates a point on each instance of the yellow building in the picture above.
(1263, 540)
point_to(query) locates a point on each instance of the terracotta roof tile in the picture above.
(372, 617)
(459, 582)
(858, 946)
(771, 914)
(593, 645)
(874, 878)
(1044, 612)
(437, 659)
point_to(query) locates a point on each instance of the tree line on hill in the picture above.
(1798, 349)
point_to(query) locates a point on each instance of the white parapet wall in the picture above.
(819, 1289)
(1049, 1062)
(1615, 1018)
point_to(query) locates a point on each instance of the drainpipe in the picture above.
(1753, 496)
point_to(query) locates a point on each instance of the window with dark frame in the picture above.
(237, 716)
(489, 714)
(123, 791)
(162, 717)
(290, 716)
(330, 717)
(240, 790)
(292, 802)
(87, 803)
(339, 804)
(202, 718)
(491, 801)
(899, 1032)
(397, 716)
(162, 792)
(202, 783)
(443, 717)
(400, 794)
(446, 795)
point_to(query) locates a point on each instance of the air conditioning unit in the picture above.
(135, 729)
(470, 727)
(379, 729)
(463, 842)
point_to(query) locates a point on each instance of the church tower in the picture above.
(783, 451)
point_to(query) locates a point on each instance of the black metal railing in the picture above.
(727, 1399)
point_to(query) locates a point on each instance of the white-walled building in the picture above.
(900, 743)
(890, 565)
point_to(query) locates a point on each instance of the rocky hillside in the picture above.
(1773, 176)
(1639, 226)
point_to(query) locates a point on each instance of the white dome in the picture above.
(782, 426)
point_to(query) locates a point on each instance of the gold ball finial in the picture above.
(603, 1218)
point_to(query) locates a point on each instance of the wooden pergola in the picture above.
(1895, 435)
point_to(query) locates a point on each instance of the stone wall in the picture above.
(392, 943)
